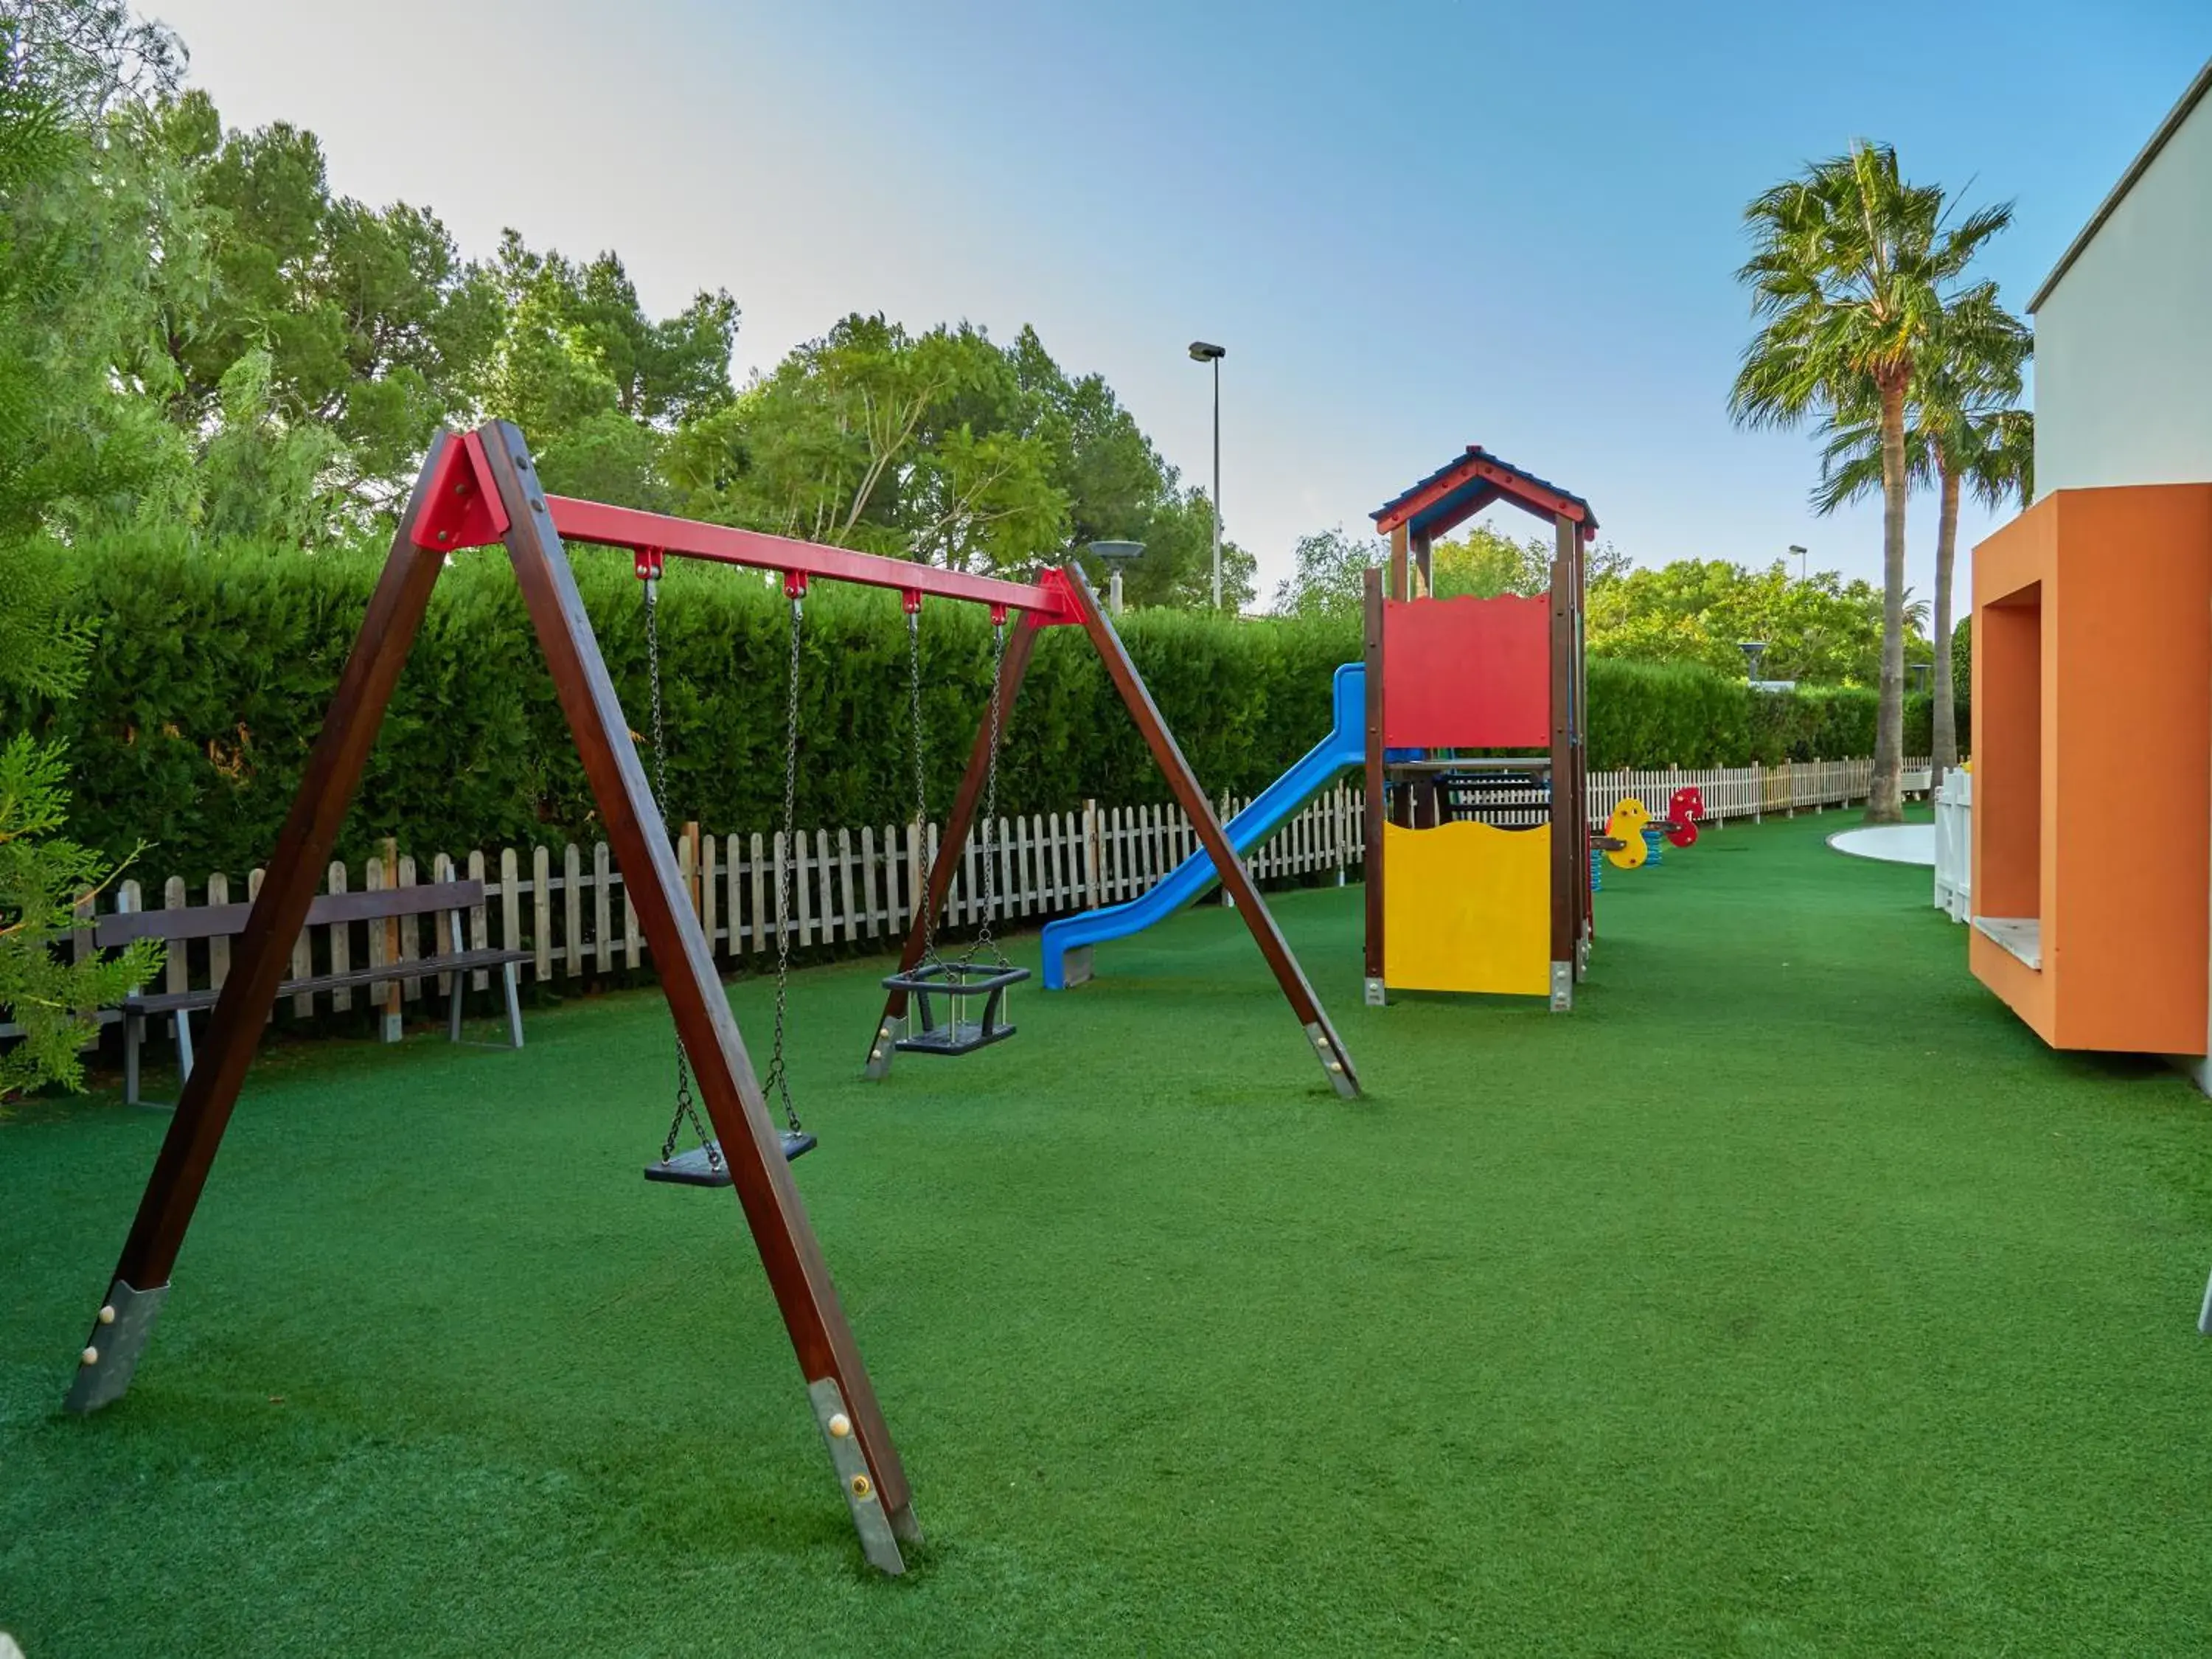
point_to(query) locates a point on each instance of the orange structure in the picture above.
(2092, 766)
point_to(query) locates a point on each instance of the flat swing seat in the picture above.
(955, 1007)
(705, 1166)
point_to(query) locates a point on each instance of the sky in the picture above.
(1414, 224)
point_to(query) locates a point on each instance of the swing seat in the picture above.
(955, 1007)
(696, 1168)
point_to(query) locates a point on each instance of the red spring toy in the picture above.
(1683, 813)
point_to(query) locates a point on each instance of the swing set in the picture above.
(480, 488)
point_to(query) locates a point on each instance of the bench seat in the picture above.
(454, 899)
(460, 962)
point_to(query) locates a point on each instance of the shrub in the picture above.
(215, 668)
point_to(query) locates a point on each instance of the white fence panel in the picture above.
(1954, 846)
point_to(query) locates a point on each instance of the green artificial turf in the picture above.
(1788, 1298)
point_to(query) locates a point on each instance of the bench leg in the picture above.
(511, 978)
(184, 1049)
(134, 1030)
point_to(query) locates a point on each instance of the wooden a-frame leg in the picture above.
(259, 959)
(1335, 1062)
(853, 1431)
(1019, 648)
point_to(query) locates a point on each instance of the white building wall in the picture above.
(2123, 343)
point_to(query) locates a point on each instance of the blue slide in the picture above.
(1345, 746)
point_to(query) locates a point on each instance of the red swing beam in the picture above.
(1047, 600)
(480, 488)
(463, 511)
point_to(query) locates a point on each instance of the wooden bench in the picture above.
(454, 898)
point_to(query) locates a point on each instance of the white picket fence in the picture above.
(1747, 791)
(857, 887)
(567, 907)
(1954, 846)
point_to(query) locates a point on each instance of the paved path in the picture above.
(1892, 843)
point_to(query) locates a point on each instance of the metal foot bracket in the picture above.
(110, 1352)
(881, 1050)
(879, 1532)
(1377, 997)
(1334, 1060)
(1563, 986)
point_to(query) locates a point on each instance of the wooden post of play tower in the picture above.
(1371, 840)
(1566, 807)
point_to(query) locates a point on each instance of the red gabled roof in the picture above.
(1469, 482)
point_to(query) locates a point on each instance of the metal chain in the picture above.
(983, 940)
(652, 674)
(778, 1078)
(687, 1110)
(920, 777)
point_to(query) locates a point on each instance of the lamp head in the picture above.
(1117, 552)
(1201, 352)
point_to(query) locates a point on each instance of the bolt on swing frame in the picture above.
(478, 489)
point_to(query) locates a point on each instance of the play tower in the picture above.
(1478, 869)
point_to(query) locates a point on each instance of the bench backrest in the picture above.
(222, 920)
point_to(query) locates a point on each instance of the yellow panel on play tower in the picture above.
(1468, 908)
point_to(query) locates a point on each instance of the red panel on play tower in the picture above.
(1466, 673)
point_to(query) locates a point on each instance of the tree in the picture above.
(195, 328)
(1119, 489)
(947, 447)
(1328, 574)
(602, 388)
(910, 446)
(61, 68)
(1178, 569)
(44, 878)
(83, 58)
(1486, 563)
(1964, 433)
(363, 326)
(1823, 631)
(1853, 272)
(263, 477)
(1330, 568)
(75, 439)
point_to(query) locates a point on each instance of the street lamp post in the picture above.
(1201, 352)
(1799, 552)
(1115, 554)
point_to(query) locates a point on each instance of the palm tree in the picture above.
(1851, 272)
(1964, 433)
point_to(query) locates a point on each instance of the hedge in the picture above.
(213, 669)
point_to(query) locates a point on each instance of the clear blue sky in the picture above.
(1414, 226)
